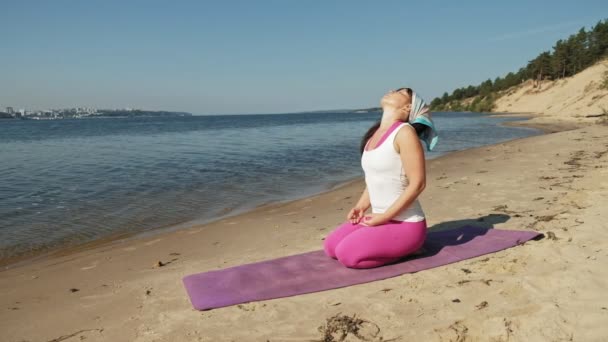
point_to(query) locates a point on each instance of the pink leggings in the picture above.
(359, 246)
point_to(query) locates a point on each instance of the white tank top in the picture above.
(385, 178)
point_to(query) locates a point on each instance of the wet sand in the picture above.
(551, 289)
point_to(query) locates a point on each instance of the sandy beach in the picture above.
(579, 99)
(552, 289)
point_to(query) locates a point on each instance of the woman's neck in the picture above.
(389, 117)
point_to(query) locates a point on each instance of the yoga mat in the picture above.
(314, 271)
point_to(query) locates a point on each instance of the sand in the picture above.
(553, 289)
(578, 99)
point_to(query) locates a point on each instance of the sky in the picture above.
(259, 56)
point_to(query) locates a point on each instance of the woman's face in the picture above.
(397, 99)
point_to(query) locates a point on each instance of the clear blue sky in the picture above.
(227, 57)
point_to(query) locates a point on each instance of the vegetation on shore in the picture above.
(568, 58)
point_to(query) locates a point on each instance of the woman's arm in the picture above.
(364, 202)
(412, 158)
(356, 213)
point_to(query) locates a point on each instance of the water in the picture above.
(65, 182)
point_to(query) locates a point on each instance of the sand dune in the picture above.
(572, 99)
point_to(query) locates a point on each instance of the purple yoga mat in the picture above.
(314, 271)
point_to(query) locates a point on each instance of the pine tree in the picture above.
(568, 57)
(598, 40)
(485, 88)
(579, 53)
(560, 59)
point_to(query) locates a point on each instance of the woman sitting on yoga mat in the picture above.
(394, 166)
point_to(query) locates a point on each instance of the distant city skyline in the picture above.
(253, 57)
(10, 109)
(82, 112)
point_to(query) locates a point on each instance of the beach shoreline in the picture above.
(551, 183)
(542, 122)
(125, 237)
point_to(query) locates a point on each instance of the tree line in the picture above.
(567, 58)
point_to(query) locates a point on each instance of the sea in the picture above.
(72, 181)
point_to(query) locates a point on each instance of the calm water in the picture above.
(64, 182)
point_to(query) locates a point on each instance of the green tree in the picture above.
(598, 40)
(561, 54)
(485, 88)
(540, 66)
(510, 80)
(568, 57)
(580, 52)
(436, 102)
(470, 91)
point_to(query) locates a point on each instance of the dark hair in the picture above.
(418, 126)
(368, 135)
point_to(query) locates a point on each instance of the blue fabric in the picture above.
(420, 113)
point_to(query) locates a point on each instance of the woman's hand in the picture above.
(374, 219)
(355, 215)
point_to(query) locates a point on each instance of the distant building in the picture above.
(9, 110)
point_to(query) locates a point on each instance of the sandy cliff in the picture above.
(578, 99)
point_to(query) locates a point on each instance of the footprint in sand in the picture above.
(129, 249)
(456, 332)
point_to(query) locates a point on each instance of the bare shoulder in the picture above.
(406, 139)
(408, 132)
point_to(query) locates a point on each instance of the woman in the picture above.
(394, 165)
